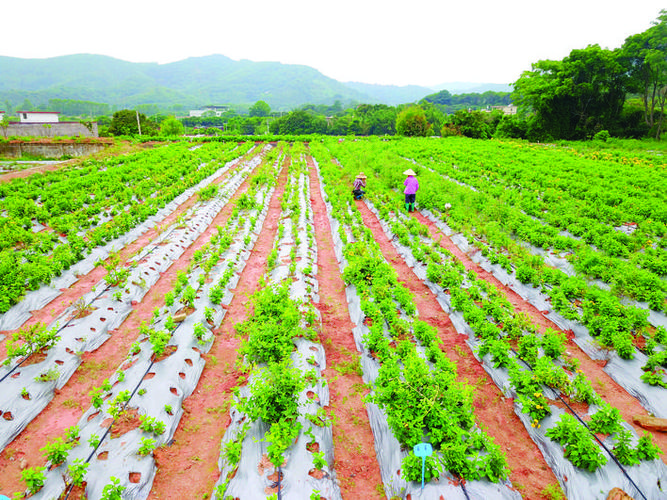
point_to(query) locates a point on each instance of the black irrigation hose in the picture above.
(59, 330)
(106, 289)
(280, 475)
(463, 487)
(576, 415)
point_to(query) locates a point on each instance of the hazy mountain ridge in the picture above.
(192, 82)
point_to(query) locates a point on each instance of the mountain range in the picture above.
(194, 82)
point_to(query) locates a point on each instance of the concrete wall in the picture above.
(68, 129)
(49, 149)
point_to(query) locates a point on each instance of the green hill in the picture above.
(192, 82)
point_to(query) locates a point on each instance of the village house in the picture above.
(38, 116)
(46, 124)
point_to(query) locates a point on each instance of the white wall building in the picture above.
(38, 116)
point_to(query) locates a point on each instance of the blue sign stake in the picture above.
(423, 450)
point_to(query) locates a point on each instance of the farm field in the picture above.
(222, 320)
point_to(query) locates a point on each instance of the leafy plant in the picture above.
(274, 393)
(319, 462)
(77, 471)
(147, 446)
(56, 451)
(151, 424)
(411, 468)
(29, 340)
(579, 446)
(281, 435)
(34, 478)
(606, 420)
(113, 490)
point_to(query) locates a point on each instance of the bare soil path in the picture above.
(189, 467)
(356, 464)
(530, 474)
(603, 384)
(69, 403)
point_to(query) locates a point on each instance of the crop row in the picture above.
(503, 333)
(51, 221)
(480, 219)
(280, 441)
(163, 365)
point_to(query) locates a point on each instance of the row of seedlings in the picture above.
(86, 207)
(571, 301)
(279, 442)
(532, 368)
(141, 406)
(416, 398)
(41, 359)
(630, 335)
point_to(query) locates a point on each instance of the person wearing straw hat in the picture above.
(359, 183)
(411, 186)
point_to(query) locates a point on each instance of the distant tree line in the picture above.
(591, 93)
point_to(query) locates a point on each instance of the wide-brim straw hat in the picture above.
(409, 172)
(361, 175)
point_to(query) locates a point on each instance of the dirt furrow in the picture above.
(188, 468)
(530, 474)
(356, 464)
(69, 403)
(603, 384)
(86, 282)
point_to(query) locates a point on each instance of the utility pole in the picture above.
(138, 122)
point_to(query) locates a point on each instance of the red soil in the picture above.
(495, 413)
(356, 465)
(69, 403)
(188, 468)
(603, 384)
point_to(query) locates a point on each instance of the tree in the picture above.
(299, 122)
(124, 122)
(260, 108)
(170, 126)
(471, 124)
(646, 56)
(576, 97)
(412, 122)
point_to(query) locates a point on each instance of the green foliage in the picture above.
(274, 393)
(260, 108)
(147, 446)
(113, 490)
(411, 468)
(34, 478)
(281, 435)
(128, 122)
(29, 340)
(271, 329)
(56, 451)
(77, 471)
(606, 420)
(411, 122)
(170, 127)
(151, 424)
(580, 448)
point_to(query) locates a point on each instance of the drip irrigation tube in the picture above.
(578, 417)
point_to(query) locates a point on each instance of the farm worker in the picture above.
(359, 182)
(411, 187)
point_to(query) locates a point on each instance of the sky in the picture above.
(388, 42)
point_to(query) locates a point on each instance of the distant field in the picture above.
(223, 320)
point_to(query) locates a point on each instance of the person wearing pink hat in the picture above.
(411, 186)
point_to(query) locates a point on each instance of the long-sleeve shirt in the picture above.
(359, 183)
(411, 185)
